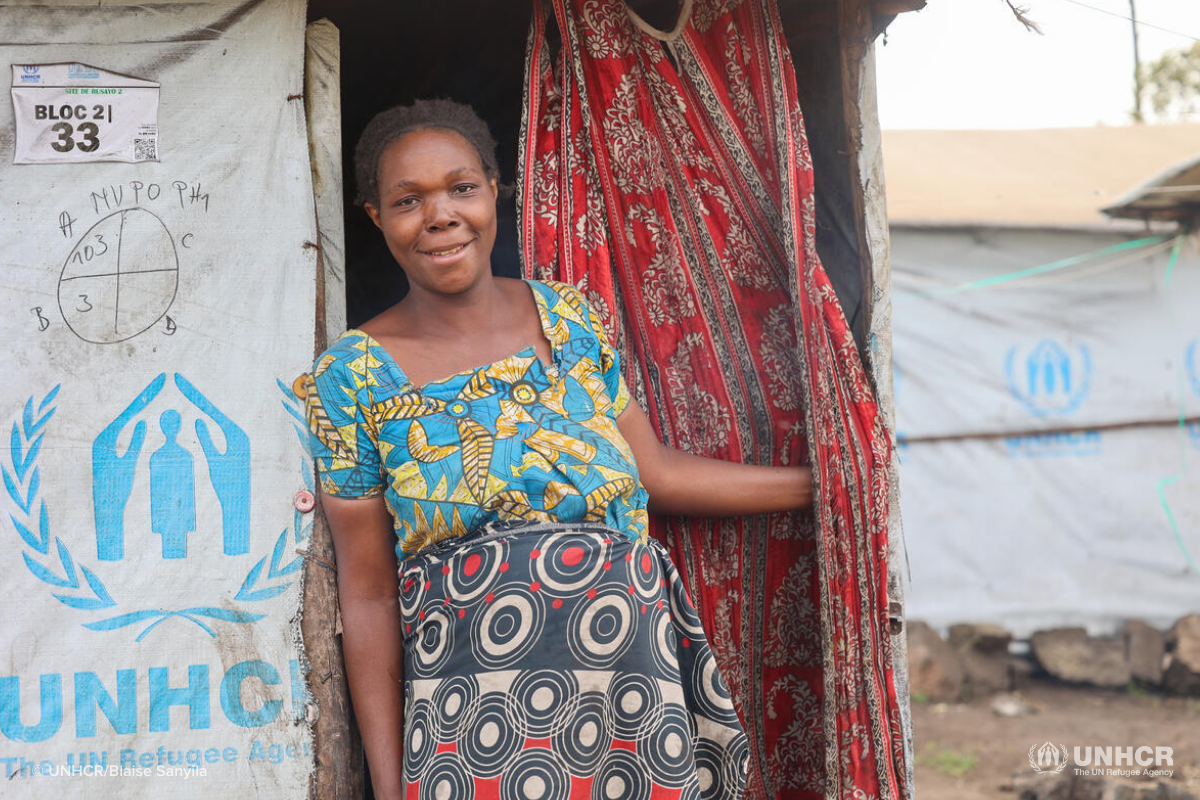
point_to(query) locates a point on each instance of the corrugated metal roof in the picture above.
(1052, 178)
(1173, 195)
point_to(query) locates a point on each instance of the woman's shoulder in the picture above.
(552, 290)
(344, 357)
(562, 300)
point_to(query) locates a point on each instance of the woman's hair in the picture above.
(388, 126)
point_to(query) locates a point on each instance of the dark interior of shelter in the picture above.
(473, 51)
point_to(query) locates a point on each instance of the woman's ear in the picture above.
(373, 213)
(495, 188)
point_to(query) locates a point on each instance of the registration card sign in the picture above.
(76, 113)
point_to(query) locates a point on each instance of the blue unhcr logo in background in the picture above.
(172, 476)
(1050, 379)
(31, 73)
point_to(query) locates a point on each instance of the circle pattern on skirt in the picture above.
(570, 564)
(664, 645)
(707, 692)
(420, 738)
(435, 641)
(621, 776)
(476, 573)
(543, 696)
(536, 774)
(645, 574)
(602, 627)
(412, 591)
(447, 779)
(452, 700)
(586, 736)
(710, 769)
(632, 699)
(491, 739)
(665, 744)
(505, 629)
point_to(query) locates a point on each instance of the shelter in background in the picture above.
(1043, 416)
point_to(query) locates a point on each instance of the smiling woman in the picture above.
(478, 437)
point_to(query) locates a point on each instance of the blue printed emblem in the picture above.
(172, 473)
(77, 71)
(172, 477)
(1050, 379)
(31, 73)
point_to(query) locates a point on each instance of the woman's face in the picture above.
(437, 210)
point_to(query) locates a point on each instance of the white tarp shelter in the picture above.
(155, 310)
(1049, 425)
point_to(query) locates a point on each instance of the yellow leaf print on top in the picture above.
(422, 450)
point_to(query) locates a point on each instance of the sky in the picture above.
(969, 64)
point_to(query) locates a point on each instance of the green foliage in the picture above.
(1172, 83)
(954, 763)
(920, 698)
(1136, 690)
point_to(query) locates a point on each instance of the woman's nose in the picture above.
(439, 216)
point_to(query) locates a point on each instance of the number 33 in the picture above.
(87, 130)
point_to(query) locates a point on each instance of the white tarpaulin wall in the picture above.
(149, 538)
(1039, 420)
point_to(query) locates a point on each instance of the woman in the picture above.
(545, 646)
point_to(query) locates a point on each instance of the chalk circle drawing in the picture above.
(120, 279)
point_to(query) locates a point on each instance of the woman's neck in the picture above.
(481, 306)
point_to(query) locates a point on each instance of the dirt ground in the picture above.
(966, 752)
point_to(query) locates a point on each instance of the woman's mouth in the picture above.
(447, 253)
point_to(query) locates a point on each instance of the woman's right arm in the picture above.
(368, 589)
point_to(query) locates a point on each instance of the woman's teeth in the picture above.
(449, 252)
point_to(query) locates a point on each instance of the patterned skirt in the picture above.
(556, 662)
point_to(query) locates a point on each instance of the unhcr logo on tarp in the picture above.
(173, 477)
(1050, 380)
(31, 73)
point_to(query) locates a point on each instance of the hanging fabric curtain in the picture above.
(667, 174)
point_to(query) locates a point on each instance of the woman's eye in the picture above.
(463, 188)
(406, 201)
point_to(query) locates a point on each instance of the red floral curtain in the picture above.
(668, 176)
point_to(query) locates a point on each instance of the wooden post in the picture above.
(864, 138)
(339, 768)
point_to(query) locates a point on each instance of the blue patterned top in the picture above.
(512, 440)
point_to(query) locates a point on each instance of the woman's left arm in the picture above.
(680, 483)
